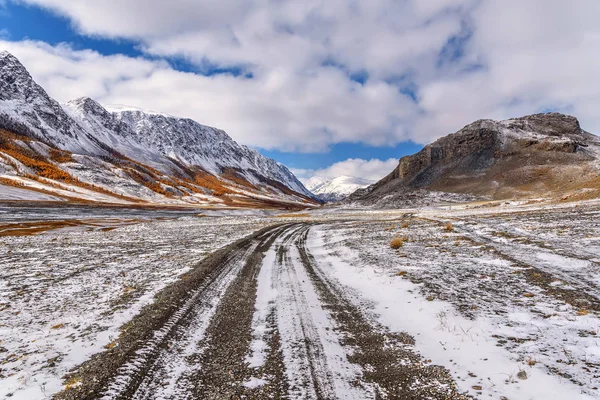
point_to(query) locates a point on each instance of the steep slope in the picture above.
(81, 151)
(336, 189)
(208, 148)
(542, 155)
(26, 108)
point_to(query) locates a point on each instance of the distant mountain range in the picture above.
(331, 190)
(82, 151)
(541, 155)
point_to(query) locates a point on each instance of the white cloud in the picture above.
(371, 170)
(519, 57)
(277, 110)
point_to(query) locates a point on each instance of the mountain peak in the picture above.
(552, 124)
(337, 188)
(120, 108)
(88, 105)
(7, 57)
(152, 154)
(15, 80)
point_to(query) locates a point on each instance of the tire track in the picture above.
(135, 356)
(388, 360)
(211, 336)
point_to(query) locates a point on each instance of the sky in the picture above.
(329, 88)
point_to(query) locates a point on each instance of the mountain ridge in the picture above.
(178, 159)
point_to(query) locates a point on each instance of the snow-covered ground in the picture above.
(65, 294)
(13, 193)
(496, 300)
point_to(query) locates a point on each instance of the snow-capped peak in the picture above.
(118, 108)
(314, 182)
(336, 189)
(174, 146)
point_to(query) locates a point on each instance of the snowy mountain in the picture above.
(335, 189)
(129, 154)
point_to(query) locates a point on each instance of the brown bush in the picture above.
(61, 156)
(211, 183)
(397, 242)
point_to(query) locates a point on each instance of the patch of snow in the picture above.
(466, 347)
(254, 383)
(13, 193)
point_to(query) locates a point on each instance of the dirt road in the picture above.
(259, 319)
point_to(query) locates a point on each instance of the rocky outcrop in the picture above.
(533, 155)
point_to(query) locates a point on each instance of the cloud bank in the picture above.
(371, 170)
(301, 76)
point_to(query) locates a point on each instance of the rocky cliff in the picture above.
(537, 155)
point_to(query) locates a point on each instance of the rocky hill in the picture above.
(541, 155)
(84, 151)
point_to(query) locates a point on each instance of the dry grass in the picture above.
(111, 345)
(72, 382)
(398, 242)
(301, 215)
(33, 228)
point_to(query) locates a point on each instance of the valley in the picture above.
(495, 300)
(148, 256)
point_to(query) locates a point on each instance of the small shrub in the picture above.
(111, 345)
(72, 382)
(397, 242)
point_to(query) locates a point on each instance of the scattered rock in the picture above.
(522, 375)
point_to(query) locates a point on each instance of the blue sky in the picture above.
(30, 22)
(327, 88)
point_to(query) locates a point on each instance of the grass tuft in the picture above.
(397, 242)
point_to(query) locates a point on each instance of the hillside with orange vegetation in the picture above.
(84, 151)
(33, 165)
